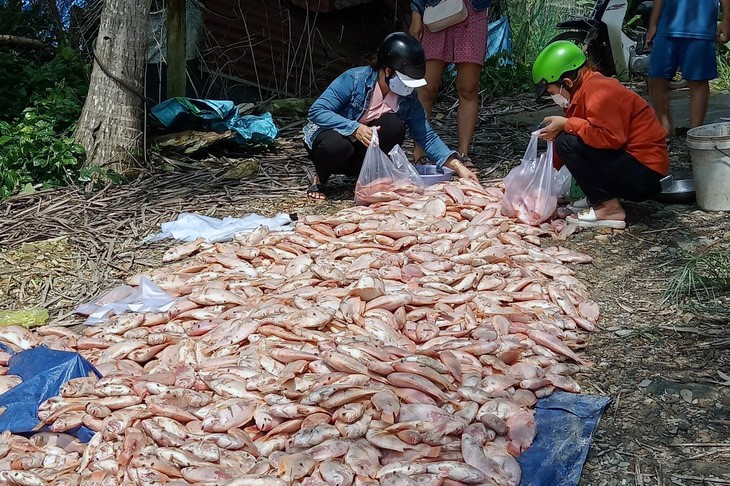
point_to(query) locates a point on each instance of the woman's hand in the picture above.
(364, 134)
(416, 28)
(461, 170)
(555, 126)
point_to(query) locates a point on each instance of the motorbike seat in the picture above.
(644, 9)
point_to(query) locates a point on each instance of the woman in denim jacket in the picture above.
(464, 44)
(380, 96)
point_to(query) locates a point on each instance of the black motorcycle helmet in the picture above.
(402, 52)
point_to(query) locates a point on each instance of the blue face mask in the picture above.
(396, 86)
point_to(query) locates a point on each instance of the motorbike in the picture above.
(618, 48)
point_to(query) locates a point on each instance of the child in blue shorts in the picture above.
(683, 34)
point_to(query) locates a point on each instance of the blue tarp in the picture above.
(499, 38)
(44, 371)
(215, 115)
(565, 425)
(499, 42)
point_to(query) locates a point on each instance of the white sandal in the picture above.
(587, 219)
(580, 204)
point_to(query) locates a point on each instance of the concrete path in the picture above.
(719, 108)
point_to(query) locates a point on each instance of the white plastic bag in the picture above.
(562, 179)
(148, 297)
(190, 227)
(382, 179)
(529, 190)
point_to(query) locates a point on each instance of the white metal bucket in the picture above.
(710, 151)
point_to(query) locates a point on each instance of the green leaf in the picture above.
(27, 189)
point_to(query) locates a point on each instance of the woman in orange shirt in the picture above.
(610, 138)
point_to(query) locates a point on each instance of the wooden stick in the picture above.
(708, 453)
(660, 230)
(21, 41)
(703, 479)
(700, 444)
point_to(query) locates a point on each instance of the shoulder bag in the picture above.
(444, 14)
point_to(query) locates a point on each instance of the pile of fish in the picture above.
(400, 344)
(386, 189)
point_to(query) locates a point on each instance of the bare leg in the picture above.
(467, 85)
(660, 97)
(610, 209)
(427, 94)
(699, 95)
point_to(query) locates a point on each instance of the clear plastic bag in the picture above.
(406, 170)
(529, 189)
(382, 179)
(562, 180)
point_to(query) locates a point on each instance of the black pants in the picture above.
(605, 174)
(333, 153)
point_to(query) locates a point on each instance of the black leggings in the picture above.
(333, 153)
(605, 174)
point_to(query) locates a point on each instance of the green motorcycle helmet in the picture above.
(553, 62)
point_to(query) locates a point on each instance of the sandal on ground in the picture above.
(316, 192)
(580, 204)
(587, 219)
(424, 160)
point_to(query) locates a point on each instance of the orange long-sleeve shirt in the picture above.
(606, 114)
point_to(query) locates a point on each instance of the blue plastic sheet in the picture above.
(215, 115)
(499, 43)
(44, 371)
(499, 39)
(565, 426)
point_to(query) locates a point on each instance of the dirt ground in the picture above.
(664, 365)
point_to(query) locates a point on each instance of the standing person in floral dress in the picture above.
(465, 45)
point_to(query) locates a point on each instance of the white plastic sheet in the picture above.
(148, 297)
(190, 227)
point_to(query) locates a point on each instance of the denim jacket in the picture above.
(420, 5)
(345, 100)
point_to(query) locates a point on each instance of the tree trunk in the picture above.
(110, 126)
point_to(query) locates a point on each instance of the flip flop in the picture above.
(587, 219)
(316, 189)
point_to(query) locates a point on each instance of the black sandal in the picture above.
(424, 160)
(317, 189)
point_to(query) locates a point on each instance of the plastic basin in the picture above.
(682, 191)
(431, 175)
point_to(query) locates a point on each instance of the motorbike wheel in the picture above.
(677, 82)
(592, 52)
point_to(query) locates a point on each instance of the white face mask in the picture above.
(396, 86)
(560, 100)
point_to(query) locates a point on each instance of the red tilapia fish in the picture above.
(383, 190)
(404, 343)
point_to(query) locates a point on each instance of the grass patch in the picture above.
(723, 68)
(533, 23)
(700, 276)
(501, 76)
(504, 76)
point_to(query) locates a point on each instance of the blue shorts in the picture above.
(695, 57)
